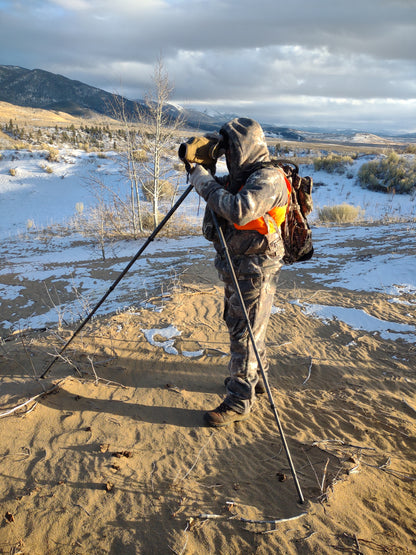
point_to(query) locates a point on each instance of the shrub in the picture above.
(340, 213)
(393, 173)
(332, 163)
(21, 146)
(148, 219)
(53, 155)
(165, 190)
(12, 171)
(139, 156)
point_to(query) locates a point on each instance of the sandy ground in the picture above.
(116, 459)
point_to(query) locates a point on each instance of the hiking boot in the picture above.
(260, 388)
(223, 416)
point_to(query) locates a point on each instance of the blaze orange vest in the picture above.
(277, 217)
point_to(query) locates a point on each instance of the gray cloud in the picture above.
(351, 61)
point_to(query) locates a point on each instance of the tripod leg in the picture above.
(119, 278)
(259, 361)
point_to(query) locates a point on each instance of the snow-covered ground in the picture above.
(70, 276)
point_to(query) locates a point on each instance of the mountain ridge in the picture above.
(38, 88)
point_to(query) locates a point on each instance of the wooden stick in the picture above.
(32, 399)
(324, 476)
(204, 516)
(314, 471)
(93, 369)
(231, 503)
(341, 442)
(29, 358)
(278, 521)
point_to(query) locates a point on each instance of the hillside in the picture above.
(34, 116)
(39, 117)
(49, 91)
(41, 89)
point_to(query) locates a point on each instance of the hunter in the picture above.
(250, 204)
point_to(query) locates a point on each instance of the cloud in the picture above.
(227, 52)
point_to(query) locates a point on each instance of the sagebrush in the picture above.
(340, 213)
(332, 163)
(392, 173)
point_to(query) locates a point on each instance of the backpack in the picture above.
(295, 230)
(296, 233)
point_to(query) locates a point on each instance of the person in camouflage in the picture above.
(241, 201)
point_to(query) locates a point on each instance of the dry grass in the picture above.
(33, 116)
(341, 213)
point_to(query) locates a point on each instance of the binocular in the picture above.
(201, 150)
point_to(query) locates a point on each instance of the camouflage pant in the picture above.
(258, 293)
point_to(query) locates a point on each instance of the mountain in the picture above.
(50, 91)
(37, 88)
(41, 89)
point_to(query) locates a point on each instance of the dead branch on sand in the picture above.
(187, 528)
(32, 400)
(385, 467)
(231, 504)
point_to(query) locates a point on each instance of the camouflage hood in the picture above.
(245, 148)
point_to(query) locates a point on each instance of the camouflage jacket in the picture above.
(251, 189)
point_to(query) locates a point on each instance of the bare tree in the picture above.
(157, 132)
(129, 165)
(148, 134)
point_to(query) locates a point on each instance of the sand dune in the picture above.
(117, 459)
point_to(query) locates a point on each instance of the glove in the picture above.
(200, 177)
(220, 149)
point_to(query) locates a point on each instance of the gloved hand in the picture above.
(214, 136)
(200, 177)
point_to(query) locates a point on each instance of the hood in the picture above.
(245, 147)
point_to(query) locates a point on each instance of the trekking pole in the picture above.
(253, 341)
(120, 277)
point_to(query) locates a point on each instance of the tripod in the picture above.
(241, 300)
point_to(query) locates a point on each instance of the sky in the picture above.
(295, 63)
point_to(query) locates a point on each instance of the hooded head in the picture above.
(245, 146)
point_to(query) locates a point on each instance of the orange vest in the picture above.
(277, 217)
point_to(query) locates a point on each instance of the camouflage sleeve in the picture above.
(262, 191)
